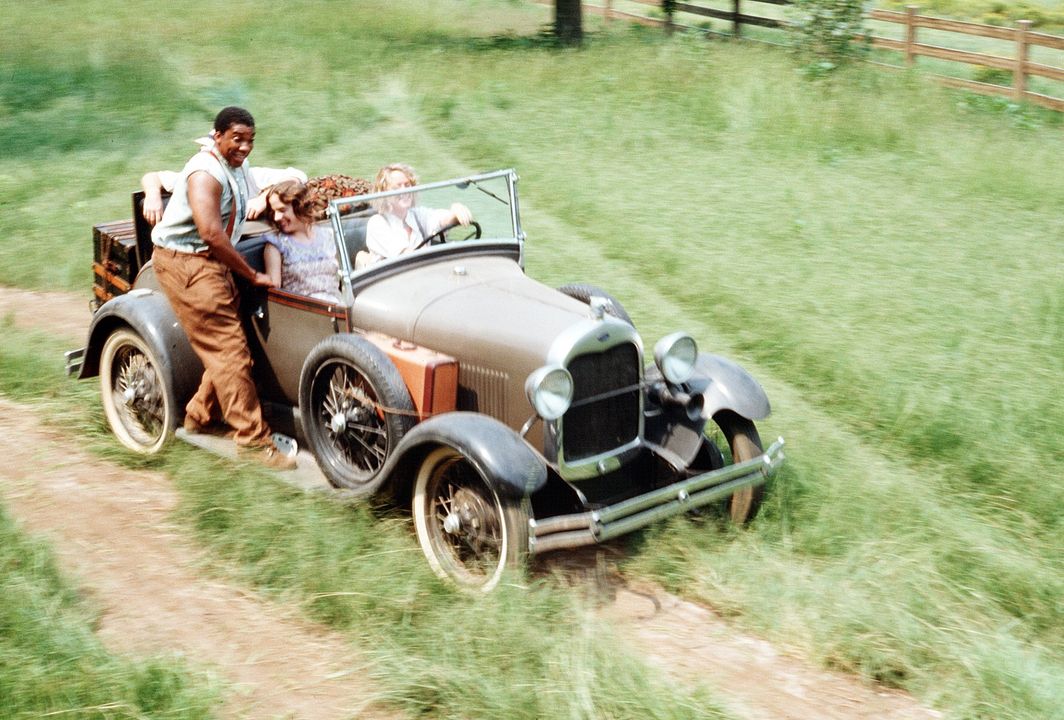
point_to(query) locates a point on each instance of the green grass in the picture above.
(50, 661)
(883, 254)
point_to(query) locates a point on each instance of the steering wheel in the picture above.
(438, 238)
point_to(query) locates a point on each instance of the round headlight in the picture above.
(675, 355)
(550, 390)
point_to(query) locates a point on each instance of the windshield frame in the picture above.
(337, 206)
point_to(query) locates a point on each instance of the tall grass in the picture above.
(885, 255)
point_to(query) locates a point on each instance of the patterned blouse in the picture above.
(309, 268)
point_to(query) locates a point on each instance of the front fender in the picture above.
(148, 313)
(724, 385)
(501, 456)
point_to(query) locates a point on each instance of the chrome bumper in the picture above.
(74, 358)
(569, 531)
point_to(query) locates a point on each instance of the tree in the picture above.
(568, 22)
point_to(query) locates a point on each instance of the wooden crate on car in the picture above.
(114, 259)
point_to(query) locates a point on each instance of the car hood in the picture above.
(481, 309)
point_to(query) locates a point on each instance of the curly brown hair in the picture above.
(294, 193)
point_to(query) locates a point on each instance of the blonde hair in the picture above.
(381, 183)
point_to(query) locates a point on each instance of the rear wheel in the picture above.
(468, 532)
(138, 398)
(745, 444)
(355, 409)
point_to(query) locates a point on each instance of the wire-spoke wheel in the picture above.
(355, 409)
(137, 397)
(468, 532)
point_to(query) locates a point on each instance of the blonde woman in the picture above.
(400, 226)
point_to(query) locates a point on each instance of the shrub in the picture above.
(831, 30)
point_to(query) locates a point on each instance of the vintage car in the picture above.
(511, 417)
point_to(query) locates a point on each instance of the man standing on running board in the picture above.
(195, 261)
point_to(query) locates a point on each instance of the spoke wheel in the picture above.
(745, 444)
(137, 396)
(355, 410)
(469, 534)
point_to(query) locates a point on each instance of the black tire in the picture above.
(354, 409)
(138, 396)
(745, 444)
(468, 532)
(584, 293)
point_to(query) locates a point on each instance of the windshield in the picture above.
(391, 226)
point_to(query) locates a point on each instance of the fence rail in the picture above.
(1019, 63)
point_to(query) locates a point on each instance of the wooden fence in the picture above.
(1019, 65)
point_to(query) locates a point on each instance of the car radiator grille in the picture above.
(605, 410)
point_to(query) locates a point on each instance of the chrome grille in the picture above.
(605, 410)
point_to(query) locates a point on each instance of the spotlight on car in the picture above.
(675, 355)
(550, 390)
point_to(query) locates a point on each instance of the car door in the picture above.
(286, 327)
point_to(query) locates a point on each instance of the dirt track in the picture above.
(111, 530)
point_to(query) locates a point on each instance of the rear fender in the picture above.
(503, 458)
(148, 313)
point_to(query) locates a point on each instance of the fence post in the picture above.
(910, 33)
(609, 11)
(737, 26)
(1019, 73)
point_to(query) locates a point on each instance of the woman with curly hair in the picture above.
(300, 255)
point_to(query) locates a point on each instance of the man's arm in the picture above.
(153, 184)
(153, 197)
(205, 200)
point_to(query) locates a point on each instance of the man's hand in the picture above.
(263, 280)
(152, 209)
(257, 205)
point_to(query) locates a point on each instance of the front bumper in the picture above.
(588, 528)
(74, 360)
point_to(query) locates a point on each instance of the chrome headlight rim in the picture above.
(676, 356)
(550, 391)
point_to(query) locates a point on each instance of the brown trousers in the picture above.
(204, 297)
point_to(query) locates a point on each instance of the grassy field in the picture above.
(884, 255)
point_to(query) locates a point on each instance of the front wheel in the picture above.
(745, 444)
(468, 532)
(355, 409)
(138, 397)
